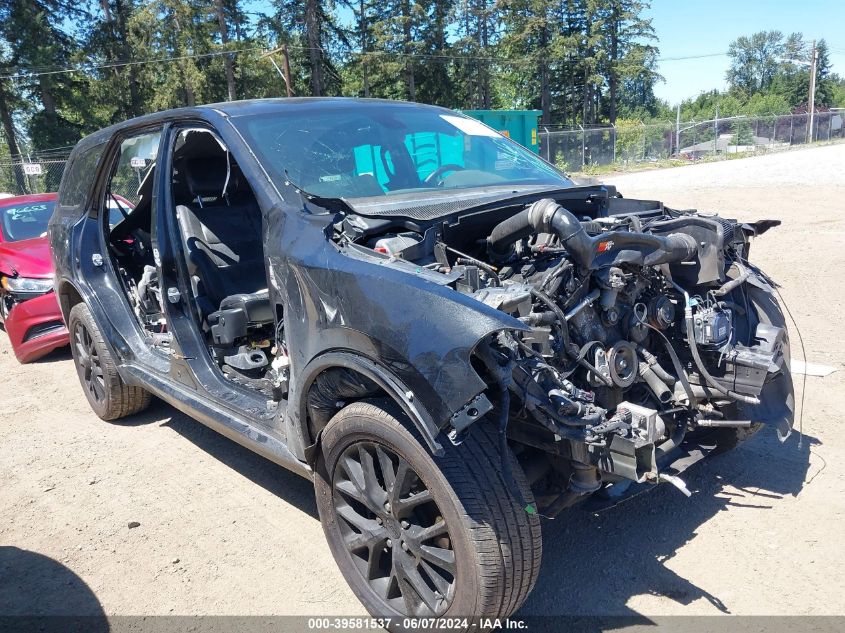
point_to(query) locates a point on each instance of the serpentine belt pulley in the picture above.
(622, 364)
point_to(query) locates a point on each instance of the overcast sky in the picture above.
(700, 27)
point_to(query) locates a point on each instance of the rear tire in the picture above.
(108, 395)
(493, 540)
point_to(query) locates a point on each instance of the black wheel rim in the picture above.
(393, 530)
(88, 361)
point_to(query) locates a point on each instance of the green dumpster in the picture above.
(518, 125)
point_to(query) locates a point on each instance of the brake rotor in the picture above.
(622, 363)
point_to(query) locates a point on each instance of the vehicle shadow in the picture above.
(38, 593)
(593, 563)
(58, 355)
(295, 490)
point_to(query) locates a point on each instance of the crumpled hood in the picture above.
(26, 258)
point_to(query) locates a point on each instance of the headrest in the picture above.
(203, 165)
(206, 176)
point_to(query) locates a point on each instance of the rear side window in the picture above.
(78, 176)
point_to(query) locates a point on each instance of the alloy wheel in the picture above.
(393, 530)
(88, 360)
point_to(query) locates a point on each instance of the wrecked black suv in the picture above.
(430, 321)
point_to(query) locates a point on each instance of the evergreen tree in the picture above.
(108, 42)
(34, 33)
(530, 33)
(625, 51)
(477, 26)
(315, 40)
(578, 61)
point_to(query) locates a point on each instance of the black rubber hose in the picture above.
(563, 326)
(507, 232)
(744, 274)
(656, 367)
(548, 216)
(696, 357)
(676, 363)
(657, 386)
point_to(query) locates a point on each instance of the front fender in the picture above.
(421, 332)
(777, 399)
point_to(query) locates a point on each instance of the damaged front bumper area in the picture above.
(35, 327)
(591, 407)
(606, 456)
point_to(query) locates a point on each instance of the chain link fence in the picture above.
(575, 147)
(31, 176)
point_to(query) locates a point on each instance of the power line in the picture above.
(25, 74)
(120, 64)
(685, 57)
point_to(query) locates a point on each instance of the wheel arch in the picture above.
(388, 386)
(68, 296)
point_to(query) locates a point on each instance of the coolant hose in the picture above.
(744, 274)
(657, 386)
(656, 367)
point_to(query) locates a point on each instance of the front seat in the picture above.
(223, 248)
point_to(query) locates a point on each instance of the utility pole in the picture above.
(812, 101)
(286, 73)
(287, 70)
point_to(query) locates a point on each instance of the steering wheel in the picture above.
(435, 176)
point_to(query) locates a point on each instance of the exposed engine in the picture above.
(637, 328)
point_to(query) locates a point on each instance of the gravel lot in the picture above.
(224, 532)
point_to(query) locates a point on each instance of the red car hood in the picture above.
(26, 258)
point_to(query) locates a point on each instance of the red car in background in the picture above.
(28, 307)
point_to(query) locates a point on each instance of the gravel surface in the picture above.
(159, 515)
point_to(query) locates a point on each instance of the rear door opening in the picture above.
(128, 220)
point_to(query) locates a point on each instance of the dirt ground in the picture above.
(224, 532)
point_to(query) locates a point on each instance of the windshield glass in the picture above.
(364, 150)
(25, 221)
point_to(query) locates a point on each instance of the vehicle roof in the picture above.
(234, 109)
(32, 197)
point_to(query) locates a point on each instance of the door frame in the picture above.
(193, 364)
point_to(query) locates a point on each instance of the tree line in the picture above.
(68, 67)
(769, 73)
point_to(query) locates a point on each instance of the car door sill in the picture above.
(234, 427)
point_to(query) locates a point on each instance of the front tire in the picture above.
(417, 535)
(728, 439)
(108, 395)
